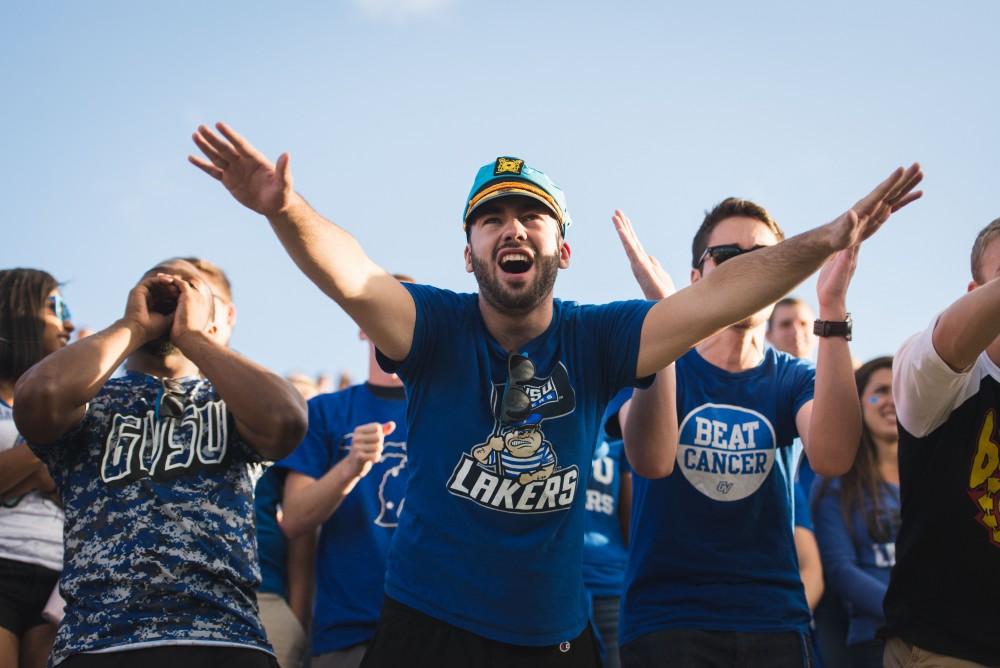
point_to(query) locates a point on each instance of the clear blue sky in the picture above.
(388, 107)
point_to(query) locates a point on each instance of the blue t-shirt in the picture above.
(713, 544)
(604, 551)
(271, 543)
(159, 532)
(856, 564)
(354, 541)
(500, 556)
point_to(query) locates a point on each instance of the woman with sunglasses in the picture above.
(34, 321)
(857, 516)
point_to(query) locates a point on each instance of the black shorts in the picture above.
(406, 637)
(24, 591)
(172, 656)
(693, 648)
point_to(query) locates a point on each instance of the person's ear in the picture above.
(564, 254)
(231, 315)
(695, 276)
(468, 258)
(972, 286)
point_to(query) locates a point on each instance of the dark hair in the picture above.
(784, 301)
(860, 486)
(729, 208)
(983, 239)
(22, 299)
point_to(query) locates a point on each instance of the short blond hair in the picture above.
(983, 240)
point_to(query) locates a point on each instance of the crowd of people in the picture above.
(520, 480)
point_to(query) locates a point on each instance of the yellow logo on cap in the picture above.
(508, 166)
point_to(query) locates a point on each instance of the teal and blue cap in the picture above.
(510, 176)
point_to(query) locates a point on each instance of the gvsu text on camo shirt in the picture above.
(484, 546)
(731, 496)
(160, 544)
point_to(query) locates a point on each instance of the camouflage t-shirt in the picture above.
(159, 535)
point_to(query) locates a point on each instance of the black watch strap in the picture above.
(834, 327)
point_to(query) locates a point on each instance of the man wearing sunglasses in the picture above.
(152, 467)
(482, 569)
(729, 483)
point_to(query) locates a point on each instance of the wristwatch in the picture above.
(834, 327)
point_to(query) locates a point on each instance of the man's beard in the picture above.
(161, 347)
(505, 301)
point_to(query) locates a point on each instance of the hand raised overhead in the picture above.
(653, 279)
(867, 216)
(250, 177)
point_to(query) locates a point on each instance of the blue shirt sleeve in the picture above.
(618, 328)
(803, 383)
(839, 555)
(317, 452)
(434, 306)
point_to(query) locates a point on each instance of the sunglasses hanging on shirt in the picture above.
(515, 405)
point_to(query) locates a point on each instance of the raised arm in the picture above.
(750, 282)
(51, 397)
(328, 255)
(649, 419)
(968, 326)
(269, 413)
(830, 424)
(308, 502)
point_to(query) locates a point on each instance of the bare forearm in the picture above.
(810, 566)
(740, 287)
(968, 326)
(269, 412)
(835, 423)
(649, 427)
(17, 465)
(300, 570)
(51, 396)
(336, 263)
(308, 506)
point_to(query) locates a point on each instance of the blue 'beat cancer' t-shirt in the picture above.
(354, 541)
(604, 551)
(477, 547)
(159, 530)
(713, 544)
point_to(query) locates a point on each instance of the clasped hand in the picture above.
(166, 305)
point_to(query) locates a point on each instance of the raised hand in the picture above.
(653, 279)
(366, 445)
(150, 306)
(867, 216)
(251, 178)
(194, 307)
(834, 279)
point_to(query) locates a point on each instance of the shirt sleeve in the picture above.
(434, 308)
(839, 556)
(924, 388)
(315, 454)
(803, 384)
(619, 329)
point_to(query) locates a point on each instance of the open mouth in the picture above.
(515, 262)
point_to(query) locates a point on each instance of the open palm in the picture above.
(252, 179)
(870, 212)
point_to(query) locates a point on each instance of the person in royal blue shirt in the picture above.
(858, 517)
(605, 541)
(348, 478)
(740, 405)
(484, 567)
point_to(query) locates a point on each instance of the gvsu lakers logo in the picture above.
(516, 469)
(725, 451)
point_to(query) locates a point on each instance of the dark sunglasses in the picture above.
(59, 307)
(172, 398)
(720, 254)
(515, 405)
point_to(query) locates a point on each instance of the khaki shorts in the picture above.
(901, 654)
(284, 631)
